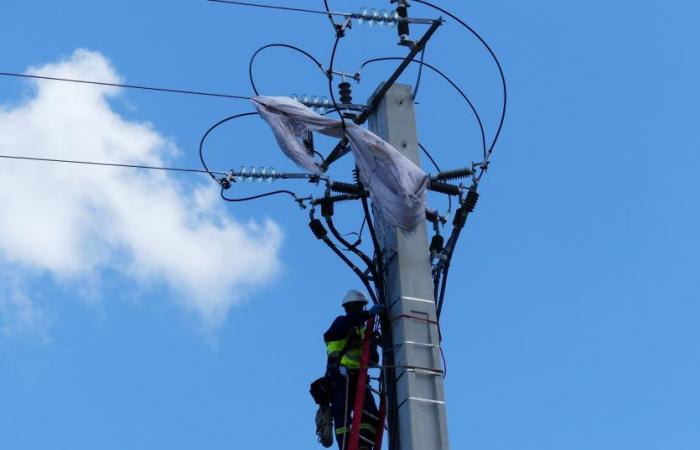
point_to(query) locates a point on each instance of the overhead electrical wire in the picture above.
(212, 128)
(487, 148)
(251, 75)
(420, 74)
(449, 80)
(128, 86)
(106, 164)
(432, 160)
(329, 13)
(279, 7)
(255, 197)
(495, 59)
(330, 82)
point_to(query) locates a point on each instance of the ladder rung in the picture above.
(366, 440)
(370, 415)
(420, 344)
(423, 400)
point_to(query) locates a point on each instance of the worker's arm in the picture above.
(336, 338)
(342, 325)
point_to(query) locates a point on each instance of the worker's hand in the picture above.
(376, 309)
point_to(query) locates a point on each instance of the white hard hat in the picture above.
(353, 296)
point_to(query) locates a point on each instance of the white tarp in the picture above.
(397, 186)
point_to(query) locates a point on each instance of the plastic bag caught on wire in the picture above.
(397, 186)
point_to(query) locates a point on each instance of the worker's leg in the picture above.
(341, 405)
(369, 425)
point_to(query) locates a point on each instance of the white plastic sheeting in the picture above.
(397, 186)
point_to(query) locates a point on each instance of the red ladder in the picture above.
(360, 395)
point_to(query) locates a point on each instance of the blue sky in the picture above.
(571, 318)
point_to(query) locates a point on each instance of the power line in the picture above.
(129, 86)
(452, 83)
(495, 59)
(95, 163)
(282, 8)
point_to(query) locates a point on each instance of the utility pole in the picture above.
(420, 420)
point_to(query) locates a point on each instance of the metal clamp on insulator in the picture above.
(444, 188)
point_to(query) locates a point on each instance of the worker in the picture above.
(344, 346)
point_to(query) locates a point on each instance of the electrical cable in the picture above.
(255, 197)
(444, 266)
(420, 74)
(330, 82)
(328, 12)
(354, 249)
(444, 360)
(212, 128)
(96, 163)
(362, 228)
(430, 157)
(377, 251)
(128, 86)
(334, 231)
(449, 80)
(495, 59)
(324, 237)
(445, 272)
(283, 8)
(289, 46)
(432, 160)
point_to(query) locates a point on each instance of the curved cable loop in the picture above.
(211, 174)
(277, 44)
(353, 248)
(326, 240)
(449, 80)
(430, 157)
(212, 128)
(498, 64)
(350, 247)
(255, 197)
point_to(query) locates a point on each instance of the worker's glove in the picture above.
(376, 309)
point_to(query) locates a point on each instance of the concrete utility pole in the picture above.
(420, 398)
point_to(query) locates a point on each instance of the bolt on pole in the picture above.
(420, 421)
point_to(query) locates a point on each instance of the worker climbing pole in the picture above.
(403, 274)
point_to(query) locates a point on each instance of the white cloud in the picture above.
(19, 317)
(73, 222)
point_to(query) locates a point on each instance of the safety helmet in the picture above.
(354, 296)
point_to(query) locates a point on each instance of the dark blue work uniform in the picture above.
(344, 346)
